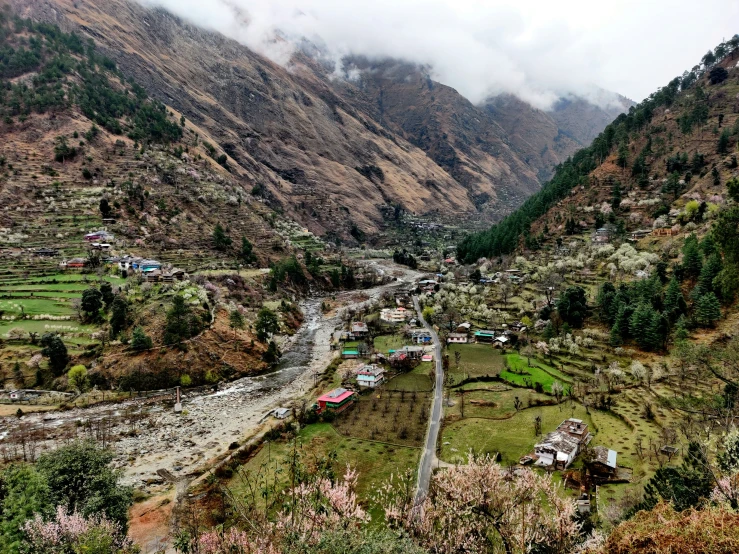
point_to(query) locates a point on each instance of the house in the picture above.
(464, 327)
(484, 336)
(108, 221)
(100, 246)
(98, 236)
(560, 447)
(640, 234)
(457, 338)
(501, 340)
(663, 232)
(149, 265)
(603, 463)
(74, 263)
(412, 352)
(427, 358)
(359, 329)
(403, 299)
(281, 413)
(604, 234)
(420, 336)
(370, 376)
(576, 428)
(557, 450)
(398, 315)
(350, 354)
(46, 252)
(337, 400)
(153, 276)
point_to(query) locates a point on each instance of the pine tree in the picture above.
(707, 310)
(221, 240)
(709, 272)
(247, 251)
(681, 328)
(692, 259)
(674, 301)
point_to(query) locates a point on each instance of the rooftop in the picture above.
(605, 456)
(336, 395)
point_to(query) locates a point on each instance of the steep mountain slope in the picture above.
(677, 146)
(335, 155)
(547, 138)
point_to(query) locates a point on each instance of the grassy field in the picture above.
(383, 343)
(375, 462)
(528, 376)
(493, 402)
(512, 437)
(410, 382)
(477, 360)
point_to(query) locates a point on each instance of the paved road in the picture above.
(429, 451)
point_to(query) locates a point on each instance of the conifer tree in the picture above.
(707, 310)
(692, 259)
(674, 300)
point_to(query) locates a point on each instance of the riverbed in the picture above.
(147, 436)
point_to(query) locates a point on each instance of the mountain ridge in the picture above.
(317, 149)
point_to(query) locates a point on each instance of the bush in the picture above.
(77, 378)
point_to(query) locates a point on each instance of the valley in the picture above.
(261, 305)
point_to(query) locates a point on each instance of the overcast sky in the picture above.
(536, 49)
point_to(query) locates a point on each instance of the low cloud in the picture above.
(537, 50)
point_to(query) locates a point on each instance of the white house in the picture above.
(398, 315)
(370, 376)
(559, 448)
(281, 413)
(457, 338)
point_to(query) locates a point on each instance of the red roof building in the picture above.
(337, 400)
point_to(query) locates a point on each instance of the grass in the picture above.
(410, 382)
(528, 376)
(375, 462)
(384, 343)
(513, 437)
(477, 360)
(36, 306)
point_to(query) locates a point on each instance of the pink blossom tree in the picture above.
(483, 507)
(74, 533)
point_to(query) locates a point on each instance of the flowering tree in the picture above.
(313, 508)
(74, 533)
(483, 507)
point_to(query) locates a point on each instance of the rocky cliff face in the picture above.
(334, 155)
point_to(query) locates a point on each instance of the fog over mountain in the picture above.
(539, 51)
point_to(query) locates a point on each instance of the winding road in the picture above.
(432, 436)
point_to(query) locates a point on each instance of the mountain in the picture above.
(545, 139)
(339, 156)
(665, 163)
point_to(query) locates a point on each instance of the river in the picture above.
(146, 435)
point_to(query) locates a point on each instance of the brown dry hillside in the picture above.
(329, 154)
(547, 138)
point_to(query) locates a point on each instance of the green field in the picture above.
(410, 382)
(374, 461)
(527, 376)
(477, 360)
(513, 437)
(384, 343)
(36, 306)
